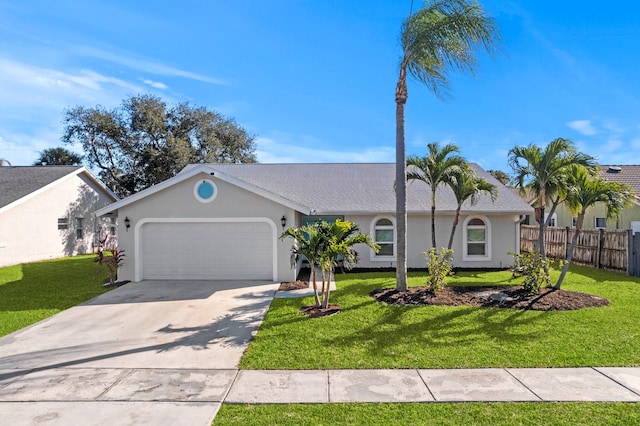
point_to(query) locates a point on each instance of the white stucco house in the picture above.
(47, 212)
(223, 221)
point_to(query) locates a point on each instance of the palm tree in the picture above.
(436, 168)
(337, 244)
(58, 157)
(442, 34)
(467, 185)
(543, 173)
(585, 192)
(307, 243)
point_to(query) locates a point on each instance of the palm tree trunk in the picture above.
(453, 227)
(326, 290)
(401, 184)
(323, 287)
(572, 247)
(433, 217)
(315, 286)
(541, 249)
(554, 205)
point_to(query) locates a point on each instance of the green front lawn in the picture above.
(31, 292)
(535, 413)
(368, 334)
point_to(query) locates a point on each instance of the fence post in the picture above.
(566, 242)
(629, 252)
(600, 244)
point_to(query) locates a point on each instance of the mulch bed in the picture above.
(514, 297)
(302, 281)
(295, 285)
(313, 311)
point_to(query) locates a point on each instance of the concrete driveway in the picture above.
(153, 352)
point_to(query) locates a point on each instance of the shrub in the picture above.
(439, 266)
(111, 261)
(534, 270)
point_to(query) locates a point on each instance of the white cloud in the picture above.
(155, 84)
(33, 98)
(271, 151)
(23, 84)
(145, 65)
(583, 127)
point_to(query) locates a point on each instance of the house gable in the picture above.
(203, 171)
(52, 221)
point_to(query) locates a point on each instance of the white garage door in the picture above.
(207, 251)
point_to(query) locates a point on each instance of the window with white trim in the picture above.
(384, 235)
(383, 232)
(476, 238)
(600, 223)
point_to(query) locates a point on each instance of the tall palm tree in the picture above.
(338, 239)
(543, 172)
(466, 184)
(443, 34)
(436, 168)
(586, 191)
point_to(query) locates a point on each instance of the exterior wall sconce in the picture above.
(127, 223)
(283, 221)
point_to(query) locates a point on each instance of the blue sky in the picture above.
(315, 80)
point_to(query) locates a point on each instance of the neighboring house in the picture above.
(596, 217)
(47, 212)
(223, 221)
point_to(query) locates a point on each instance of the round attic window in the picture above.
(205, 190)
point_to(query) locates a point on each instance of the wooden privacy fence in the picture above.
(598, 248)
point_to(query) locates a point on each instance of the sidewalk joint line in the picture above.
(233, 382)
(615, 381)
(523, 384)
(425, 384)
(125, 372)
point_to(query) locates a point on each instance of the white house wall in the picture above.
(29, 231)
(504, 239)
(177, 203)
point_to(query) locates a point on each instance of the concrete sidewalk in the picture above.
(88, 396)
(490, 384)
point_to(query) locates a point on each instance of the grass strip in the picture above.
(514, 413)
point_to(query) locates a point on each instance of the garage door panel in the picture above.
(207, 251)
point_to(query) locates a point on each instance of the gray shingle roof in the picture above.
(629, 174)
(359, 187)
(19, 181)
